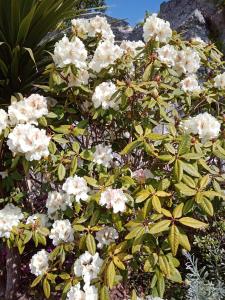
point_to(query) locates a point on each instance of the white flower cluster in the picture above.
(156, 28)
(106, 54)
(190, 84)
(57, 201)
(82, 78)
(167, 55)
(106, 236)
(3, 120)
(61, 231)
(103, 96)
(205, 125)
(28, 110)
(40, 219)
(115, 199)
(219, 81)
(76, 186)
(10, 216)
(132, 48)
(28, 140)
(186, 61)
(39, 263)
(68, 52)
(103, 155)
(97, 26)
(149, 298)
(89, 292)
(88, 266)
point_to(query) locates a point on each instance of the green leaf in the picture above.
(135, 233)
(207, 206)
(73, 166)
(104, 293)
(187, 221)
(178, 170)
(61, 172)
(156, 203)
(160, 226)
(190, 169)
(185, 190)
(174, 239)
(185, 144)
(91, 181)
(111, 273)
(142, 196)
(46, 288)
(90, 243)
(177, 212)
(130, 147)
(204, 181)
(183, 240)
(36, 281)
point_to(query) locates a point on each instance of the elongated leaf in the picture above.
(90, 243)
(187, 221)
(111, 273)
(156, 203)
(185, 190)
(174, 239)
(160, 226)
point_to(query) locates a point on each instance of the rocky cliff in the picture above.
(192, 18)
(203, 18)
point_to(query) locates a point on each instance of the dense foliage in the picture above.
(113, 174)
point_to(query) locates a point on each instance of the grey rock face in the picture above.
(203, 18)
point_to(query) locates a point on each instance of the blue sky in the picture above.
(132, 10)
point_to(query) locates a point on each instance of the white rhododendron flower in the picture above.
(29, 140)
(61, 232)
(70, 52)
(100, 26)
(80, 27)
(3, 120)
(10, 216)
(40, 219)
(39, 263)
(75, 293)
(115, 199)
(167, 55)
(187, 61)
(198, 40)
(81, 78)
(57, 201)
(132, 48)
(219, 81)
(156, 28)
(190, 84)
(88, 266)
(91, 292)
(103, 96)
(142, 174)
(106, 236)
(28, 110)
(103, 155)
(76, 186)
(105, 55)
(205, 125)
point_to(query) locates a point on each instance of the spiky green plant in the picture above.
(23, 25)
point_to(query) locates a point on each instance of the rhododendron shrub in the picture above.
(114, 165)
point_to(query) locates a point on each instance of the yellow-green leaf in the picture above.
(177, 212)
(174, 239)
(111, 273)
(187, 221)
(160, 226)
(46, 288)
(90, 243)
(156, 203)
